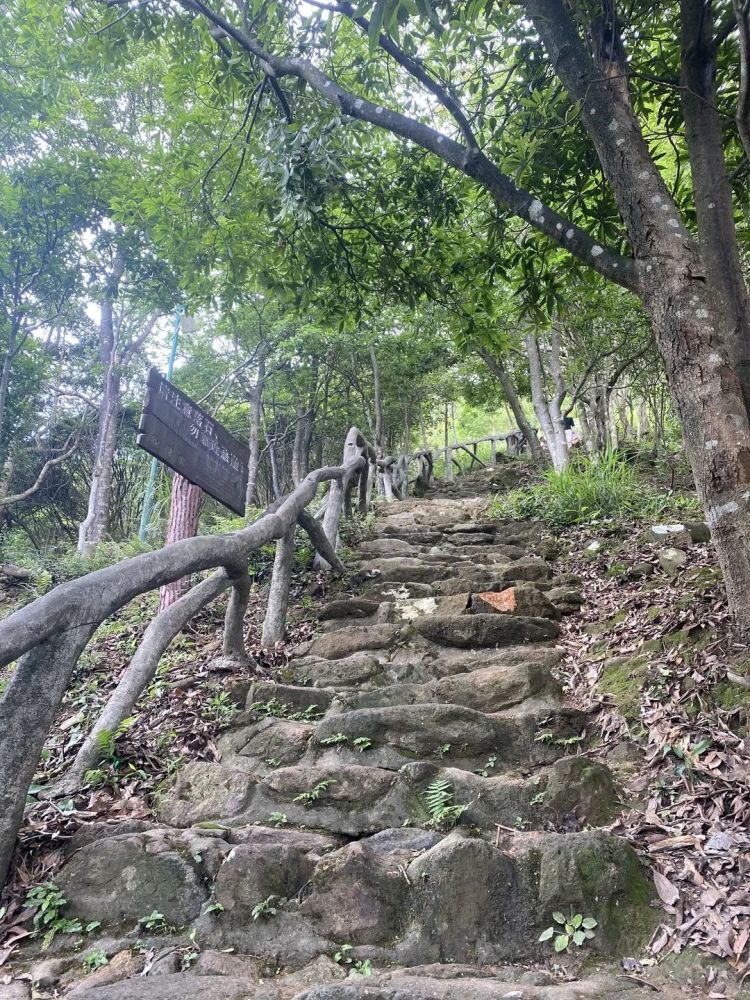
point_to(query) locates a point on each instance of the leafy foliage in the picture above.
(267, 907)
(311, 796)
(573, 929)
(442, 810)
(590, 490)
(48, 901)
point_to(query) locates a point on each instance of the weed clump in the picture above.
(606, 487)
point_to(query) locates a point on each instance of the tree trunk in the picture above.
(644, 421)
(558, 397)
(184, 513)
(95, 526)
(710, 405)
(301, 447)
(587, 432)
(256, 395)
(27, 711)
(742, 13)
(379, 447)
(556, 444)
(274, 624)
(499, 370)
(141, 671)
(5, 379)
(711, 188)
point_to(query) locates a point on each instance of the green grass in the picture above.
(591, 490)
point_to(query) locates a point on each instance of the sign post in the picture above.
(175, 430)
(148, 496)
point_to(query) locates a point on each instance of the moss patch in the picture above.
(731, 696)
(601, 628)
(623, 680)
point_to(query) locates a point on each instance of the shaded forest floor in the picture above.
(648, 653)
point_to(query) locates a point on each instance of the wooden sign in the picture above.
(177, 431)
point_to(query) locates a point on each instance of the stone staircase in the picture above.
(412, 797)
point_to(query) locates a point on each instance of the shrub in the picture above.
(591, 490)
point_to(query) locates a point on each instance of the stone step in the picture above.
(411, 665)
(473, 631)
(402, 896)
(457, 983)
(530, 733)
(487, 689)
(397, 790)
(351, 790)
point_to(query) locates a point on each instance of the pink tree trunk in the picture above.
(184, 511)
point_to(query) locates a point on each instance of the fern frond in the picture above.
(437, 796)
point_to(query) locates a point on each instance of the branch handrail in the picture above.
(394, 470)
(47, 636)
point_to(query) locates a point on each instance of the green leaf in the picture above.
(558, 917)
(562, 942)
(376, 23)
(576, 921)
(589, 922)
(578, 938)
(546, 935)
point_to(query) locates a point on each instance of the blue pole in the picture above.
(148, 496)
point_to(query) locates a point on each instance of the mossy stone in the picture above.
(702, 578)
(617, 571)
(584, 787)
(600, 876)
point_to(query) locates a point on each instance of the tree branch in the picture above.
(472, 162)
(49, 464)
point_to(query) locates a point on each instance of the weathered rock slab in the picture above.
(472, 631)
(124, 878)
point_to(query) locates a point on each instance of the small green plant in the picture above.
(278, 819)
(484, 771)
(307, 798)
(213, 908)
(281, 710)
(443, 812)
(267, 907)
(573, 929)
(155, 922)
(106, 740)
(336, 740)
(273, 761)
(546, 736)
(359, 967)
(362, 743)
(221, 708)
(443, 749)
(537, 799)
(48, 901)
(95, 960)
(344, 955)
(687, 756)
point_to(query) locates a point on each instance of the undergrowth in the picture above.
(591, 490)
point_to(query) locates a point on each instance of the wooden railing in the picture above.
(513, 440)
(47, 637)
(394, 472)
